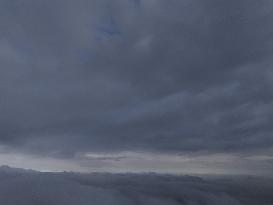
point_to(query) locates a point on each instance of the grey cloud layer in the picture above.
(136, 75)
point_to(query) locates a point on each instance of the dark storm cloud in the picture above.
(172, 76)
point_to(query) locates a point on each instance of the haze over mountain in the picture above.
(22, 187)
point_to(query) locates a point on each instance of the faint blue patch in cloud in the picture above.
(83, 55)
(109, 27)
(137, 2)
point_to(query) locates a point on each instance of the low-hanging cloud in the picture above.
(155, 76)
(127, 189)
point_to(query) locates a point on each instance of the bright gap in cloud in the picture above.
(145, 162)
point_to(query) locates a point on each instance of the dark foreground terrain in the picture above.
(21, 187)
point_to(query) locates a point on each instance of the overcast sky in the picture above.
(137, 85)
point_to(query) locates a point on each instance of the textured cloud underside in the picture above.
(167, 76)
